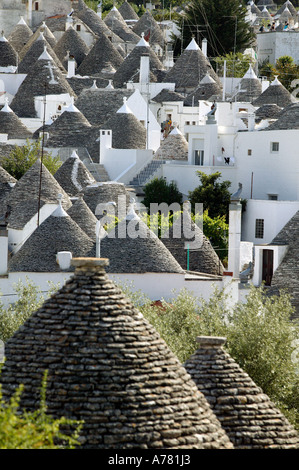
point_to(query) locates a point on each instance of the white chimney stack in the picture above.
(204, 47)
(144, 73)
(71, 67)
(64, 259)
(3, 250)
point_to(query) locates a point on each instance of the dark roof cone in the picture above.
(109, 367)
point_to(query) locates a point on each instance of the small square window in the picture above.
(249, 152)
(78, 27)
(259, 228)
(272, 197)
(274, 146)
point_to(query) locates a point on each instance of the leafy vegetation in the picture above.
(22, 158)
(236, 64)
(28, 299)
(213, 194)
(260, 336)
(285, 69)
(221, 22)
(35, 430)
(160, 191)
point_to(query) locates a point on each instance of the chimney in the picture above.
(251, 121)
(71, 67)
(144, 73)
(209, 342)
(3, 249)
(204, 47)
(105, 142)
(64, 259)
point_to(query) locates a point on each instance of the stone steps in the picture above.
(147, 173)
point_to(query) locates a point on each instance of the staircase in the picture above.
(98, 171)
(147, 173)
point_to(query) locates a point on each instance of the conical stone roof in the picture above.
(286, 119)
(83, 216)
(96, 24)
(7, 182)
(43, 31)
(202, 256)
(267, 111)
(248, 416)
(99, 104)
(173, 147)
(290, 7)
(167, 95)
(127, 11)
(20, 35)
(250, 87)
(129, 69)
(102, 193)
(286, 276)
(11, 125)
(127, 131)
(69, 129)
(59, 232)
(276, 93)
(133, 248)
(8, 55)
(148, 25)
(102, 52)
(27, 187)
(120, 28)
(72, 43)
(73, 176)
(190, 68)
(34, 84)
(34, 52)
(109, 367)
(207, 89)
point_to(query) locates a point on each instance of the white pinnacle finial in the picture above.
(60, 212)
(6, 108)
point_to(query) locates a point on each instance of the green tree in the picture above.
(287, 71)
(214, 195)
(21, 158)
(28, 298)
(216, 230)
(221, 22)
(260, 336)
(159, 190)
(236, 64)
(35, 430)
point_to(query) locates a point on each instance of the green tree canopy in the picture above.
(221, 22)
(213, 194)
(21, 158)
(236, 64)
(285, 69)
(159, 190)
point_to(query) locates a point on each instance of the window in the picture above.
(36, 6)
(249, 152)
(259, 228)
(272, 197)
(274, 146)
(198, 157)
(78, 27)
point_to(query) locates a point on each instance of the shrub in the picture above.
(35, 430)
